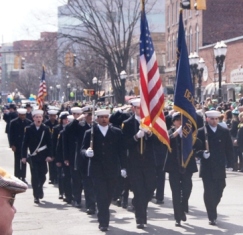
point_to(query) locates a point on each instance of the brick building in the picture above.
(221, 21)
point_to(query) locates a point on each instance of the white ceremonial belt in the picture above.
(39, 150)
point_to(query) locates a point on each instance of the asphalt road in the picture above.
(54, 217)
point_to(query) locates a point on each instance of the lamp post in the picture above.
(95, 82)
(123, 76)
(193, 61)
(68, 91)
(58, 90)
(220, 50)
(51, 91)
(99, 86)
(201, 65)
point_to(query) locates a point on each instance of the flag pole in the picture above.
(142, 10)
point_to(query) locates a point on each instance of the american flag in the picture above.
(151, 89)
(42, 90)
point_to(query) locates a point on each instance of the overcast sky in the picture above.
(25, 19)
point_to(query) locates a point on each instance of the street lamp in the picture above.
(123, 76)
(51, 91)
(95, 82)
(58, 90)
(193, 61)
(220, 50)
(75, 90)
(99, 86)
(201, 65)
(68, 91)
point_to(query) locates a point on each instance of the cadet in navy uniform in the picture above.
(180, 178)
(28, 113)
(141, 165)
(88, 185)
(37, 139)
(71, 146)
(212, 168)
(16, 135)
(52, 165)
(59, 156)
(107, 160)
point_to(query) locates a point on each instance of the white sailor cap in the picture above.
(102, 112)
(52, 112)
(70, 118)
(37, 112)
(22, 111)
(87, 109)
(76, 110)
(11, 183)
(135, 102)
(213, 113)
(63, 113)
(176, 116)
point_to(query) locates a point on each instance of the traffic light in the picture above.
(193, 4)
(22, 62)
(74, 60)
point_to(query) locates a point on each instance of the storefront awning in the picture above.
(212, 89)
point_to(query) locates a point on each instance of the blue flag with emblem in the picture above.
(184, 97)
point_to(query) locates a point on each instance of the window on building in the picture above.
(177, 12)
(190, 40)
(168, 15)
(168, 50)
(197, 38)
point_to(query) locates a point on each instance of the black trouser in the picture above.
(52, 171)
(181, 187)
(213, 191)
(76, 184)
(60, 180)
(143, 181)
(104, 189)
(38, 177)
(160, 183)
(67, 183)
(19, 167)
(89, 192)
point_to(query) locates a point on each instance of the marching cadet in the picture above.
(88, 185)
(58, 157)
(71, 146)
(141, 163)
(213, 161)
(107, 160)
(65, 169)
(16, 135)
(37, 139)
(52, 114)
(28, 113)
(180, 178)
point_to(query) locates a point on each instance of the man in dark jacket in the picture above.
(141, 163)
(213, 161)
(107, 160)
(16, 135)
(37, 139)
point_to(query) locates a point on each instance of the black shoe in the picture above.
(212, 222)
(124, 205)
(68, 201)
(77, 204)
(36, 200)
(90, 211)
(140, 226)
(131, 208)
(41, 194)
(60, 196)
(159, 202)
(178, 223)
(183, 217)
(103, 228)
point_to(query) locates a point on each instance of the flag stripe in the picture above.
(42, 90)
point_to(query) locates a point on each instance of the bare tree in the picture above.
(105, 29)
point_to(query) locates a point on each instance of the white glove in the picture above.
(206, 154)
(124, 173)
(179, 131)
(140, 134)
(89, 152)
